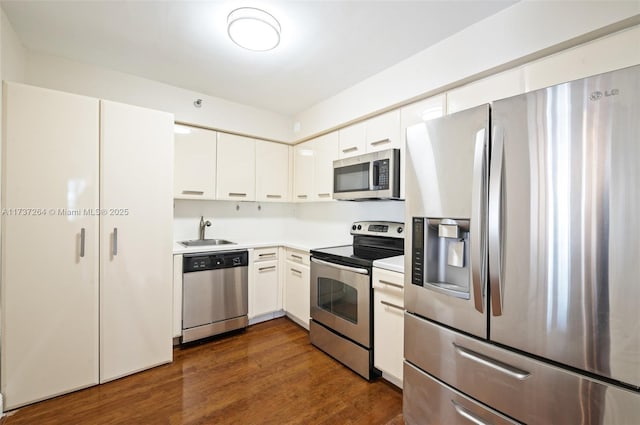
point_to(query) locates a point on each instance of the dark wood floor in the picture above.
(269, 374)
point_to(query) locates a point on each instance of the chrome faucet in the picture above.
(203, 224)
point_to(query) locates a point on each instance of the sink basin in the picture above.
(206, 242)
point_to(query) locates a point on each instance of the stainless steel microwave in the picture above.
(374, 175)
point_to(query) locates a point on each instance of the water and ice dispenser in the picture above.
(440, 251)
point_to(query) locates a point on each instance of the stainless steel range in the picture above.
(341, 293)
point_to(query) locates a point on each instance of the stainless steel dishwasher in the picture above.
(215, 293)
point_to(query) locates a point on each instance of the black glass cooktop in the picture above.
(354, 255)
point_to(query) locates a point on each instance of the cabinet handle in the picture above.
(192, 192)
(82, 242)
(302, 196)
(261, 269)
(465, 413)
(395, 285)
(351, 149)
(237, 194)
(388, 304)
(324, 195)
(297, 257)
(296, 271)
(115, 241)
(379, 142)
(274, 196)
(512, 371)
(267, 254)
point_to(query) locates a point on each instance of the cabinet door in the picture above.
(352, 140)
(136, 268)
(412, 114)
(272, 172)
(49, 282)
(194, 172)
(236, 171)
(297, 295)
(265, 288)
(388, 323)
(383, 131)
(303, 163)
(326, 151)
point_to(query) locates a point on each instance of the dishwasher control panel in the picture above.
(214, 260)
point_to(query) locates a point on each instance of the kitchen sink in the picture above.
(206, 242)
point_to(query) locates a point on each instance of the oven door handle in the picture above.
(340, 266)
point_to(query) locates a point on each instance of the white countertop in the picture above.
(305, 246)
(394, 264)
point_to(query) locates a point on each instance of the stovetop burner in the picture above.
(372, 240)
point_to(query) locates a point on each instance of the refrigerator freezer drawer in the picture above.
(428, 401)
(518, 386)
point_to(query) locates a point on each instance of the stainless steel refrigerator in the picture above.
(522, 271)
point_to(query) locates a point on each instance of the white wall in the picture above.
(312, 225)
(66, 75)
(13, 54)
(520, 33)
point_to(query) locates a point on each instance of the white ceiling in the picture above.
(326, 46)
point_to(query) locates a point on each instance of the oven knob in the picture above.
(400, 229)
(359, 227)
(353, 227)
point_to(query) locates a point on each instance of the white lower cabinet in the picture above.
(86, 242)
(265, 288)
(388, 323)
(297, 280)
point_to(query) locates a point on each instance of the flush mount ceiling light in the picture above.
(254, 29)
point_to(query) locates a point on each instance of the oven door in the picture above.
(341, 299)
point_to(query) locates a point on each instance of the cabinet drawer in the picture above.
(265, 254)
(428, 401)
(516, 385)
(299, 257)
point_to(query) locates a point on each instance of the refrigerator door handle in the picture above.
(468, 415)
(495, 221)
(478, 219)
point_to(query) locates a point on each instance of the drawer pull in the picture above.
(395, 285)
(192, 192)
(324, 195)
(302, 196)
(388, 304)
(267, 254)
(493, 364)
(261, 269)
(237, 194)
(297, 257)
(274, 196)
(296, 271)
(379, 142)
(351, 149)
(465, 413)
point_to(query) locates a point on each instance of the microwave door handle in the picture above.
(478, 220)
(375, 175)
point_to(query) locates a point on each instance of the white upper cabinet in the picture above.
(194, 163)
(325, 152)
(383, 131)
(416, 113)
(303, 165)
(272, 172)
(236, 170)
(352, 140)
(499, 86)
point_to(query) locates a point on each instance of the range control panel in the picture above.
(214, 260)
(390, 229)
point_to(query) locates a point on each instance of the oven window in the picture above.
(351, 178)
(338, 298)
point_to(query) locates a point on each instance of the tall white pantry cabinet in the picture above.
(86, 242)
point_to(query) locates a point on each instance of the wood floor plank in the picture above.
(269, 374)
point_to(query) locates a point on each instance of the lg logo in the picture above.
(597, 95)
